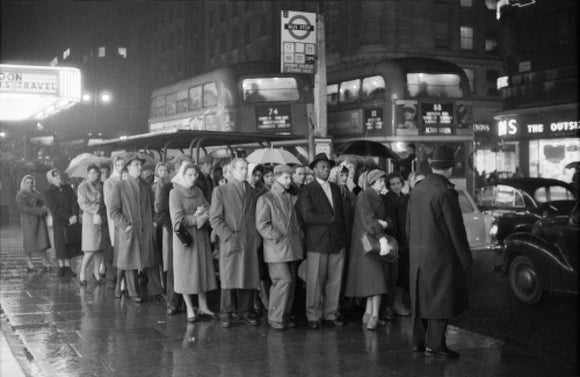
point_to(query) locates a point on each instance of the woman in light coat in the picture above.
(192, 265)
(89, 197)
(33, 214)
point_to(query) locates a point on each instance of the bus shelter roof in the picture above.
(187, 139)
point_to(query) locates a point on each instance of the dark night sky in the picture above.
(36, 31)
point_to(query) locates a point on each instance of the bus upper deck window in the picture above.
(209, 94)
(195, 98)
(182, 101)
(436, 85)
(159, 106)
(332, 94)
(373, 88)
(270, 89)
(349, 91)
(170, 103)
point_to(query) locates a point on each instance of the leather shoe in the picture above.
(417, 348)
(277, 325)
(443, 352)
(171, 310)
(226, 321)
(314, 324)
(337, 322)
(249, 320)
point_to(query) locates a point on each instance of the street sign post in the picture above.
(298, 42)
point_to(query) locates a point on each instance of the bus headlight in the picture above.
(493, 232)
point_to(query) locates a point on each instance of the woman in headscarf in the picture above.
(62, 204)
(89, 198)
(192, 265)
(33, 214)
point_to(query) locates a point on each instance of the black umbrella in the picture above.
(371, 148)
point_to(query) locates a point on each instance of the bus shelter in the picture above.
(191, 141)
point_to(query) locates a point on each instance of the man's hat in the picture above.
(131, 156)
(279, 169)
(321, 157)
(443, 157)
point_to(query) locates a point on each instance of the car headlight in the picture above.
(493, 231)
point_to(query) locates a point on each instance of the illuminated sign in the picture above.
(374, 119)
(502, 82)
(37, 92)
(437, 113)
(507, 127)
(270, 117)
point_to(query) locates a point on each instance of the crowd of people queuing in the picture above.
(254, 229)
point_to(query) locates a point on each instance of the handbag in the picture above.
(182, 233)
(73, 234)
(372, 248)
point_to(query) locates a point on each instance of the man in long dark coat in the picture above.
(439, 256)
(327, 222)
(233, 217)
(131, 208)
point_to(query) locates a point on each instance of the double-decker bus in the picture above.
(246, 97)
(409, 104)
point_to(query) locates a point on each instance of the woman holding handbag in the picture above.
(192, 265)
(33, 214)
(89, 198)
(367, 276)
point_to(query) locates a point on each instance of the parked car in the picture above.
(516, 204)
(477, 224)
(545, 259)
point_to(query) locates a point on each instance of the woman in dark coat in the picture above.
(33, 214)
(367, 277)
(192, 266)
(62, 204)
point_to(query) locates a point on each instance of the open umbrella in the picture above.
(78, 165)
(572, 165)
(272, 156)
(370, 148)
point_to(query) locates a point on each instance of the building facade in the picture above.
(537, 128)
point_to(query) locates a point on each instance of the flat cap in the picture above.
(279, 169)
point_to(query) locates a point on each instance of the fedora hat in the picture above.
(321, 157)
(443, 157)
(131, 156)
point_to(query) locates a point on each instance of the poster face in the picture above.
(406, 117)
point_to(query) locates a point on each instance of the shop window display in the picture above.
(549, 157)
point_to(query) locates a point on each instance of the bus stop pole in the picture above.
(319, 84)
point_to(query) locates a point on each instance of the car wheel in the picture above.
(524, 280)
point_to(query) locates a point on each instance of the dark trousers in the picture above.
(153, 284)
(428, 332)
(236, 301)
(173, 299)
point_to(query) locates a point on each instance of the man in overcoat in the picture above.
(326, 222)
(439, 256)
(233, 217)
(113, 276)
(131, 206)
(277, 222)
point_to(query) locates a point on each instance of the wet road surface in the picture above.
(57, 328)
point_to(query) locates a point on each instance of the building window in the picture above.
(122, 51)
(101, 52)
(441, 35)
(491, 78)
(66, 54)
(466, 3)
(471, 77)
(466, 37)
(490, 45)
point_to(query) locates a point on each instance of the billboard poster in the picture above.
(406, 117)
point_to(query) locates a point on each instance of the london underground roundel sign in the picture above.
(298, 41)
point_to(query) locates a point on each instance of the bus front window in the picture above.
(349, 91)
(436, 85)
(373, 88)
(270, 89)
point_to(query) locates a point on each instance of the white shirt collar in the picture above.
(321, 182)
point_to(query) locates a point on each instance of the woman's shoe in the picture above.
(201, 313)
(365, 318)
(372, 323)
(83, 282)
(192, 318)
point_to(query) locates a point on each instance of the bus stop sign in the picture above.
(298, 42)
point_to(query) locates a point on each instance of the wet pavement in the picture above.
(54, 327)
